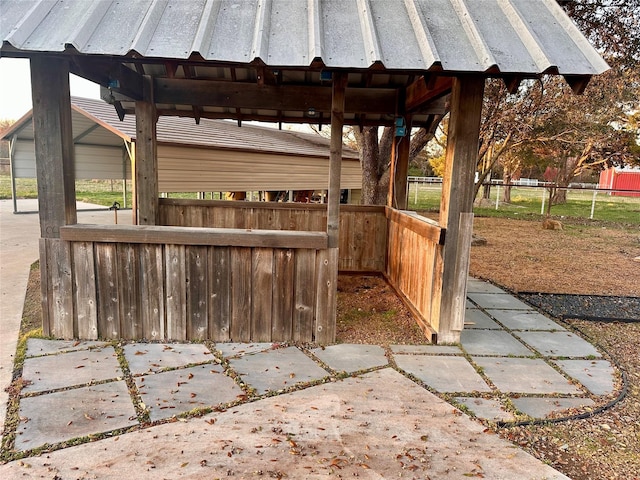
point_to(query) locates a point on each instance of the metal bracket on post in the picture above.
(115, 207)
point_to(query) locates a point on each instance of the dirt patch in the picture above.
(32, 310)
(369, 311)
(592, 260)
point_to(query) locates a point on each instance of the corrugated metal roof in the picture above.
(217, 134)
(524, 37)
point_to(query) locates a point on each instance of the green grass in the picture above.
(98, 192)
(527, 203)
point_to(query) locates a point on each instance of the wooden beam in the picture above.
(53, 135)
(161, 235)
(456, 204)
(424, 91)
(146, 162)
(110, 74)
(212, 93)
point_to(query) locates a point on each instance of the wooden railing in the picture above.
(177, 283)
(363, 239)
(242, 283)
(414, 265)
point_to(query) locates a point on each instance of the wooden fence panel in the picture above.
(412, 266)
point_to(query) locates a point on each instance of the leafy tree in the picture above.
(544, 123)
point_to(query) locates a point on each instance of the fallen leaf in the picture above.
(190, 376)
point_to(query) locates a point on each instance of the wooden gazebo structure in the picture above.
(255, 272)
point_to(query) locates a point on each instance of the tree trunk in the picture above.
(559, 197)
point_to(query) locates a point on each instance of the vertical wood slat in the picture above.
(220, 292)
(107, 286)
(262, 294)
(152, 311)
(197, 292)
(326, 296)
(60, 288)
(303, 313)
(84, 292)
(175, 278)
(283, 295)
(129, 290)
(45, 302)
(240, 294)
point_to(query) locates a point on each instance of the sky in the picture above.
(15, 88)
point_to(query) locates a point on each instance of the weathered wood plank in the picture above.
(197, 293)
(220, 293)
(241, 294)
(45, 288)
(305, 274)
(146, 156)
(61, 288)
(152, 310)
(129, 291)
(53, 142)
(108, 299)
(326, 296)
(457, 192)
(283, 295)
(193, 236)
(176, 281)
(423, 226)
(262, 294)
(84, 280)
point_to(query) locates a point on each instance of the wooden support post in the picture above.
(456, 204)
(399, 170)
(146, 157)
(327, 267)
(55, 172)
(335, 157)
(55, 166)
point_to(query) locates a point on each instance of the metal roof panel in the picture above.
(509, 36)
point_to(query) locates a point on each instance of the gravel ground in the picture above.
(589, 307)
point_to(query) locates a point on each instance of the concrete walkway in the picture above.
(275, 410)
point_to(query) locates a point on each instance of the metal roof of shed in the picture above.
(507, 36)
(271, 60)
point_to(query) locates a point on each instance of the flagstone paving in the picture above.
(512, 364)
